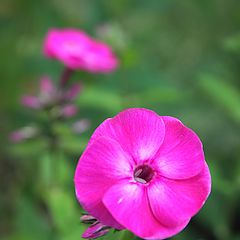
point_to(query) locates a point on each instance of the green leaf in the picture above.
(65, 212)
(73, 144)
(45, 170)
(223, 94)
(161, 94)
(216, 215)
(30, 222)
(101, 98)
(126, 235)
(232, 43)
(28, 148)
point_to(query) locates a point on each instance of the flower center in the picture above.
(143, 174)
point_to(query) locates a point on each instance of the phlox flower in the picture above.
(143, 172)
(78, 51)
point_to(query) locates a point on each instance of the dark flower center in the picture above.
(143, 174)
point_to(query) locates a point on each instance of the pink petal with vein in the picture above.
(174, 201)
(140, 132)
(181, 154)
(128, 204)
(102, 165)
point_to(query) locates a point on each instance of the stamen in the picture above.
(143, 174)
(138, 172)
(140, 180)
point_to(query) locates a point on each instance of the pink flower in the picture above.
(49, 95)
(69, 110)
(30, 101)
(143, 172)
(46, 94)
(73, 92)
(76, 50)
(46, 85)
(23, 134)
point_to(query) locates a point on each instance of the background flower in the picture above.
(143, 172)
(76, 50)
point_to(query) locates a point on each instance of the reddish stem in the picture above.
(67, 73)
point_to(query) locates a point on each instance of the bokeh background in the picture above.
(178, 58)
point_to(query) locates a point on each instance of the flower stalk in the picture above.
(66, 75)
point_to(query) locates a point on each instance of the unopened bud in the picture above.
(30, 101)
(46, 85)
(69, 111)
(73, 92)
(96, 230)
(87, 219)
(23, 134)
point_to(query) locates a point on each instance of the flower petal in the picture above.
(101, 165)
(139, 131)
(180, 155)
(128, 204)
(174, 201)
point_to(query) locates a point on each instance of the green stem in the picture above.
(126, 235)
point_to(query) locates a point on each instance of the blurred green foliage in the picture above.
(179, 58)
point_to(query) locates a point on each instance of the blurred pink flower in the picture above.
(16, 136)
(68, 110)
(143, 172)
(46, 94)
(30, 101)
(49, 95)
(23, 134)
(76, 50)
(73, 91)
(46, 85)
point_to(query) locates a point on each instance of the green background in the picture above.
(178, 58)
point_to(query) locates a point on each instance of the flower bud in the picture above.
(23, 134)
(96, 230)
(73, 92)
(46, 85)
(87, 219)
(69, 111)
(30, 101)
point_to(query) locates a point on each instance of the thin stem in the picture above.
(67, 73)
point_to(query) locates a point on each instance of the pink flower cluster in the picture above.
(49, 96)
(143, 172)
(76, 50)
